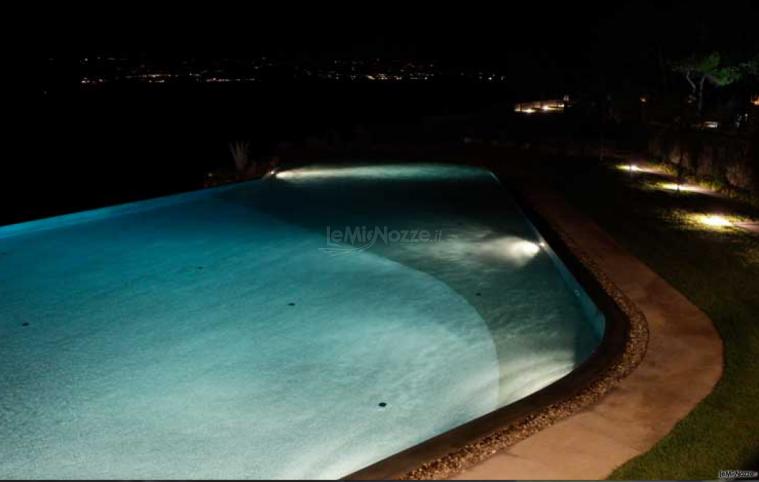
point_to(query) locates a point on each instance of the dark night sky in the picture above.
(588, 48)
(463, 31)
(569, 43)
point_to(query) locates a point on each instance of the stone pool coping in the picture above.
(621, 350)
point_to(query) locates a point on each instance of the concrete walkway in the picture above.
(682, 365)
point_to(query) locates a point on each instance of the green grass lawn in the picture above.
(718, 270)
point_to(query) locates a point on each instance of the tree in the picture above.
(697, 69)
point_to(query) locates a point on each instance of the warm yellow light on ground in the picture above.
(545, 106)
(634, 167)
(716, 220)
(721, 222)
(672, 186)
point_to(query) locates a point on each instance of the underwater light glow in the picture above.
(525, 248)
(509, 249)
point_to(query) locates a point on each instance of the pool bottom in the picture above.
(166, 352)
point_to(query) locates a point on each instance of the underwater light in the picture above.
(525, 248)
(510, 249)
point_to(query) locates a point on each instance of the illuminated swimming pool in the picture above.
(306, 325)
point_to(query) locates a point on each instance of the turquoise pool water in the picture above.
(297, 326)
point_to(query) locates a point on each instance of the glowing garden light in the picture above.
(673, 186)
(715, 221)
(712, 221)
(543, 106)
(635, 167)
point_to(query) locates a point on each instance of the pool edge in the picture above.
(112, 210)
(622, 348)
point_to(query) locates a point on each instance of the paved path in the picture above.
(681, 366)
